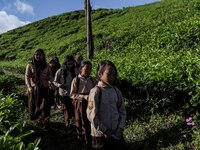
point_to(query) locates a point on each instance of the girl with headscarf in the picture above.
(38, 78)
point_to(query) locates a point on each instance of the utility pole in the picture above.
(90, 43)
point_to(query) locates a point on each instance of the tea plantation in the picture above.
(156, 49)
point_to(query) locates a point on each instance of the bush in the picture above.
(8, 83)
(12, 126)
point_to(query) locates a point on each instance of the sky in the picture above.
(16, 13)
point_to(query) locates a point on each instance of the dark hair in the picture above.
(57, 65)
(76, 57)
(83, 63)
(67, 59)
(42, 64)
(101, 67)
(54, 59)
(39, 65)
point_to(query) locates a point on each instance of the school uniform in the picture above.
(81, 86)
(53, 91)
(64, 76)
(106, 110)
(38, 100)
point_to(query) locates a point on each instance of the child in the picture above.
(62, 80)
(54, 64)
(80, 89)
(78, 58)
(53, 92)
(38, 78)
(106, 110)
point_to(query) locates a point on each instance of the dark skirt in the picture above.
(39, 105)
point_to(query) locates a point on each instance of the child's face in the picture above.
(52, 64)
(38, 56)
(86, 70)
(70, 64)
(108, 75)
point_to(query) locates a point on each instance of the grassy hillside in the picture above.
(155, 45)
(156, 49)
(113, 29)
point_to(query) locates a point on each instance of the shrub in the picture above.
(12, 127)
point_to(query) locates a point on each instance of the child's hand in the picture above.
(30, 89)
(86, 97)
(107, 133)
(51, 86)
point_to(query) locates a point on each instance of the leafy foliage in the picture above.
(11, 127)
(8, 83)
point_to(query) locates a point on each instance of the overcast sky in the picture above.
(16, 13)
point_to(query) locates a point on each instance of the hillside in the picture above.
(158, 25)
(156, 49)
(152, 45)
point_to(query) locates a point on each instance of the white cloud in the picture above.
(9, 22)
(23, 7)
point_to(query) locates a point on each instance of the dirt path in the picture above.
(56, 138)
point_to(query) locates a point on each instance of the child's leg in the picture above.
(31, 106)
(67, 112)
(78, 119)
(63, 100)
(86, 129)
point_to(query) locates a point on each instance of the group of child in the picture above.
(98, 106)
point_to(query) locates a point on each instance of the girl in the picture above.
(62, 80)
(38, 78)
(53, 92)
(54, 65)
(77, 61)
(80, 89)
(106, 110)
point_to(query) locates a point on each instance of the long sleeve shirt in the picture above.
(60, 79)
(81, 87)
(106, 109)
(31, 79)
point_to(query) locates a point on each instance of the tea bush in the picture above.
(8, 84)
(12, 126)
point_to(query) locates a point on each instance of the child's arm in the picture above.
(122, 110)
(74, 93)
(56, 79)
(50, 77)
(28, 78)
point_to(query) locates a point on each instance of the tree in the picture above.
(90, 43)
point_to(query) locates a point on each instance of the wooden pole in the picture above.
(90, 43)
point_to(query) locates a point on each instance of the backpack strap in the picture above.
(78, 83)
(100, 95)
